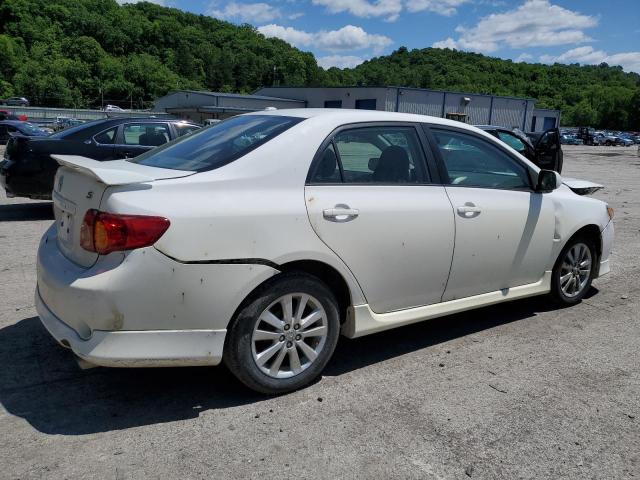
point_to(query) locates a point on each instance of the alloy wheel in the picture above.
(289, 335)
(575, 270)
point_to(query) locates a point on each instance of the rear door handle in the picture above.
(468, 210)
(340, 213)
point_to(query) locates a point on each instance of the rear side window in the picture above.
(473, 162)
(107, 137)
(217, 145)
(386, 155)
(145, 134)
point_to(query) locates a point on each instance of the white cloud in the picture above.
(288, 34)
(159, 2)
(448, 43)
(390, 9)
(442, 7)
(523, 57)
(349, 37)
(340, 61)
(294, 16)
(630, 61)
(535, 23)
(245, 12)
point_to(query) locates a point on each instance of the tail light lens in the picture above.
(109, 232)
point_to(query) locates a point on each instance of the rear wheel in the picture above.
(285, 335)
(574, 271)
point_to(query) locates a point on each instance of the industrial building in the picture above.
(199, 106)
(475, 109)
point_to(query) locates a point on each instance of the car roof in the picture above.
(491, 127)
(340, 116)
(12, 122)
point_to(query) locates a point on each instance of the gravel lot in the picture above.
(518, 390)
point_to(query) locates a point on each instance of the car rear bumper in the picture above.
(151, 348)
(142, 308)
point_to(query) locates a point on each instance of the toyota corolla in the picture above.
(261, 239)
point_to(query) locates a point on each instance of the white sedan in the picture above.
(257, 241)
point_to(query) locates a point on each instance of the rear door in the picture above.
(138, 137)
(371, 198)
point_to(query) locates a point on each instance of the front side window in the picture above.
(108, 137)
(145, 134)
(387, 155)
(218, 145)
(473, 162)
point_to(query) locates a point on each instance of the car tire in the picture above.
(268, 346)
(572, 276)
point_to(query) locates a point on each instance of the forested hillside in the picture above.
(74, 52)
(63, 52)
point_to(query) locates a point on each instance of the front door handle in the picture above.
(340, 213)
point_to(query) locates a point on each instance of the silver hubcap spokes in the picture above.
(575, 270)
(289, 335)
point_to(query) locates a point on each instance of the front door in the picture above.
(369, 199)
(504, 230)
(549, 150)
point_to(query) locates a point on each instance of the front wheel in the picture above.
(285, 335)
(574, 271)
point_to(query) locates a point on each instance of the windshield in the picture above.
(217, 145)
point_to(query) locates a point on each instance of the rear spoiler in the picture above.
(117, 172)
(582, 187)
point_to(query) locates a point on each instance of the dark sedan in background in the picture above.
(543, 149)
(28, 169)
(10, 128)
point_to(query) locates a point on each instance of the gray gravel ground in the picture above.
(519, 390)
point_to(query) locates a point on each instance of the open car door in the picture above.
(548, 151)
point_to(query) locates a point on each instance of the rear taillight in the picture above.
(109, 232)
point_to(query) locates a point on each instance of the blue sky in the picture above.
(347, 32)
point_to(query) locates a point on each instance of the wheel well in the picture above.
(329, 275)
(592, 232)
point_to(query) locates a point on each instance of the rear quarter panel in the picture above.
(252, 208)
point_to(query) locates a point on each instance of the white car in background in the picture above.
(259, 240)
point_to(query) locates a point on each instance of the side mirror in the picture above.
(548, 180)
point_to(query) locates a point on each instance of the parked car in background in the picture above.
(544, 149)
(17, 102)
(606, 138)
(570, 140)
(65, 122)
(113, 108)
(28, 169)
(625, 141)
(262, 238)
(7, 115)
(11, 128)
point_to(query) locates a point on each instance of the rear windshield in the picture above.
(217, 145)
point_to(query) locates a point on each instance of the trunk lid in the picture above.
(79, 185)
